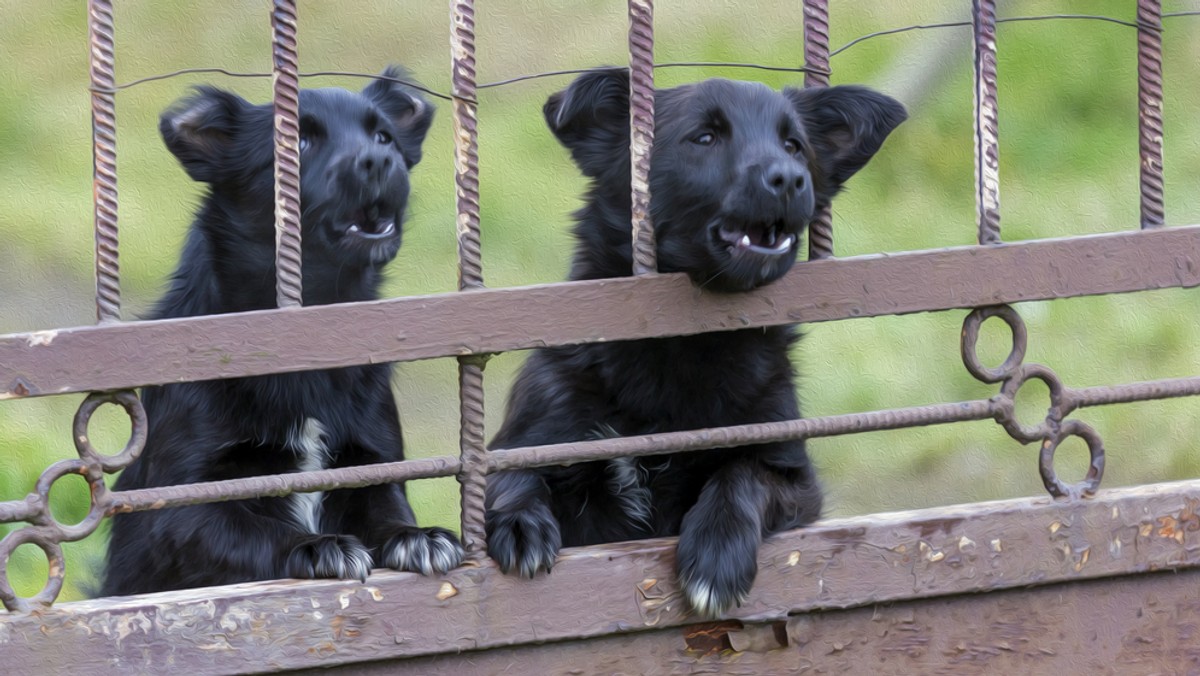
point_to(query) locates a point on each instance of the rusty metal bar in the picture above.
(603, 449)
(740, 435)
(104, 159)
(942, 552)
(286, 89)
(470, 271)
(641, 132)
(1150, 110)
(816, 58)
(143, 499)
(487, 321)
(987, 144)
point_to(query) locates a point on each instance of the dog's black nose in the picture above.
(373, 166)
(784, 179)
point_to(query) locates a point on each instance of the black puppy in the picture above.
(738, 171)
(356, 151)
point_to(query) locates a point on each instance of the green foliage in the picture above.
(1069, 163)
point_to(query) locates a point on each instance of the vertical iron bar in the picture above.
(1150, 99)
(641, 132)
(286, 90)
(470, 275)
(987, 152)
(816, 57)
(104, 159)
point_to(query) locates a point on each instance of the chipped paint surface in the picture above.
(41, 338)
(446, 591)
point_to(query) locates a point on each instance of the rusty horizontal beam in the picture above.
(1136, 625)
(405, 329)
(624, 588)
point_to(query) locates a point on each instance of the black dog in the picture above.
(356, 152)
(738, 171)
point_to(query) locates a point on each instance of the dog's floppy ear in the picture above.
(846, 125)
(201, 129)
(591, 118)
(405, 107)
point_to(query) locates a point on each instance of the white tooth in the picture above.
(353, 228)
(744, 242)
(786, 243)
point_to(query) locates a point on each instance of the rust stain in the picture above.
(1175, 527)
(709, 638)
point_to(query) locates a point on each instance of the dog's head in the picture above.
(738, 169)
(356, 150)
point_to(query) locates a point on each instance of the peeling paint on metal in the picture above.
(41, 338)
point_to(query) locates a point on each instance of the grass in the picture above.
(1068, 130)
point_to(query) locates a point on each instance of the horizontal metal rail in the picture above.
(481, 322)
(603, 449)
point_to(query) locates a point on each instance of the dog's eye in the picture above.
(705, 139)
(791, 146)
(304, 142)
(382, 137)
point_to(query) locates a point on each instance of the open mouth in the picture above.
(763, 238)
(371, 222)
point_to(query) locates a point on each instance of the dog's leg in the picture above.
(717, 556)
(522, 533)
(381, 516)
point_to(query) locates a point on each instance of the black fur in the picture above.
(738, 170)
(356, 150)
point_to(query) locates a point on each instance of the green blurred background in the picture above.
(1068, 130)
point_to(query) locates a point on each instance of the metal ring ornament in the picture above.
(970, 339)
(1091, 481)
(1060, 404)
(97, 489)
(128, 400)
(56, 572)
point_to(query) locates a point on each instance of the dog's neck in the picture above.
(223, 268)
(603, 237)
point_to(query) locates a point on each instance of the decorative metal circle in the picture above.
(970, 339)
(128, 400)
(1060, 406)
(54, 582)
(95, 480)
(1091, 482)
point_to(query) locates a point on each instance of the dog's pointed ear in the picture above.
(201, 129)
(846, 125)
(591, 118)
(408, 111)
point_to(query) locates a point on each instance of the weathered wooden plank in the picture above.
(1144, 624)
(404, 329)
(839, 563)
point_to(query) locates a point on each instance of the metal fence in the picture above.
(478, 322)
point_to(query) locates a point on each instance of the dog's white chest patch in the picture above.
(308, 441)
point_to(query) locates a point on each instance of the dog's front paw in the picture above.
(423, 550)
(340, 556)
(716, 573)
(523, 541)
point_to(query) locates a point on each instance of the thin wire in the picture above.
(677, 64)
(953, 24)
